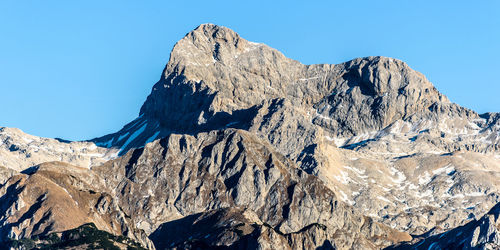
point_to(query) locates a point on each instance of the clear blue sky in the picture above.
(81, 69)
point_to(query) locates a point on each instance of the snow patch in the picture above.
(27, 140)
(424, 194)
(339, 141)
(447, 169)
(310, 78)
(106, 144)
(425, 179)
(344, 178)
(322, 116)
(383, 199)
(359, 173)
(152, 138)
(133, 136)
(122, 136)
(400, 177)
(345, 198)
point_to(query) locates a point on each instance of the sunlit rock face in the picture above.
(248, 148)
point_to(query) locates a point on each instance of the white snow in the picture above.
(428, 192)
(447, 169)
(359, 173)
(98, 155)
(254, 43)
(310, 78)
(27, 140)
(122, 136)
(383, 199)
(35, 148)
(344, 178)
(152, 138)
(105, 144)
(231, 123)
(134, 122)
(322, 116)
(345, 198)
(396, 127)
(339, 141)
(271, 88)
(425, 179)
(133, 136)
(474, 194)
(457, 196)
(400, 177)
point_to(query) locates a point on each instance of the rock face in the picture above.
(182, 175)
(55, 197)
(215, 78)
(483, 233)
(246, 148)
(333, 121)
(232, 168)
(19, 151)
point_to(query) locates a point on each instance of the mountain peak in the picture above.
(206, 46)
(215, 79)
(214, 31)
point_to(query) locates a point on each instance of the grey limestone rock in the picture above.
(249, 148)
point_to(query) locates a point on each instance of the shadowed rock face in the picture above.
(247, 148)
(86, 236)
(235, 228)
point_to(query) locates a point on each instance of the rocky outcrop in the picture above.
(416, 193)
(483, 233)
(19, 151)
(235, 228)
(55, 197)
(182, 175)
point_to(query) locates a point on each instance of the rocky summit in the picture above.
(238, 146)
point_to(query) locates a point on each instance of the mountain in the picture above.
(239, 146)
(215, 78)
(334, 121)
